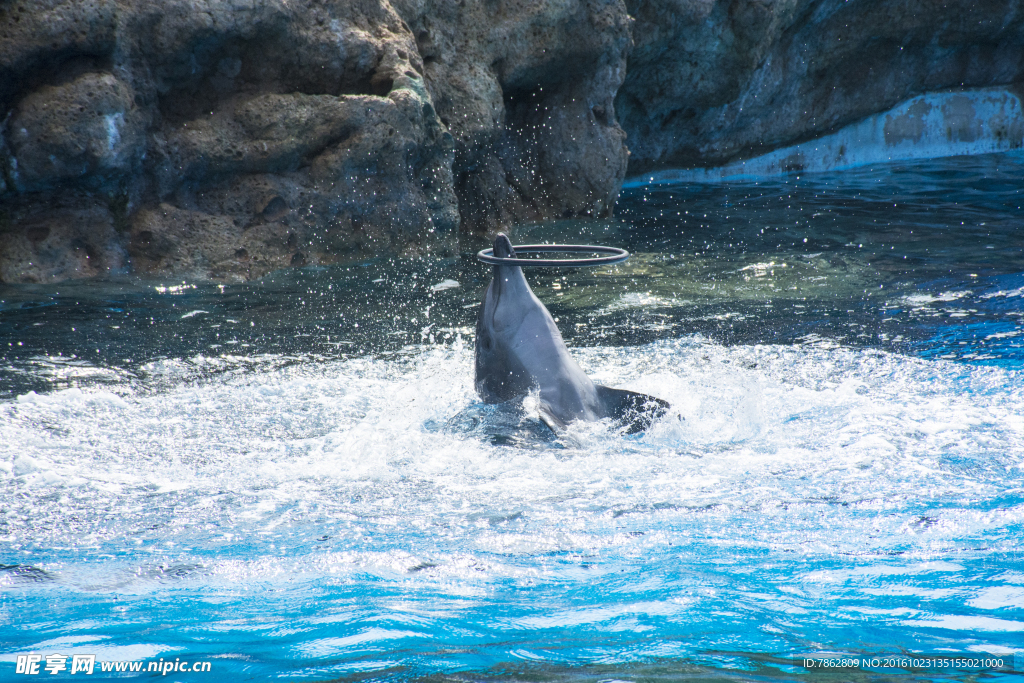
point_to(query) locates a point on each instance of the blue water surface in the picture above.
(294, 478)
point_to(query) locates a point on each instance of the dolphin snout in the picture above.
(503, 247)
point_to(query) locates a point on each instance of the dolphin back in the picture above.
(637, 412)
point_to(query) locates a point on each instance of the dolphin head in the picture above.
(503, 247)
(508, 285)
(500, 376)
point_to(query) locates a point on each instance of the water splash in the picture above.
(299, 482)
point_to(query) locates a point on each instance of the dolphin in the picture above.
(519, 348)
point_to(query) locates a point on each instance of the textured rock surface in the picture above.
(227, 138)
(710, 81)
(73, 237)
(87, 129)
(527, 89)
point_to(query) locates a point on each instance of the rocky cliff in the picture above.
(712, 81)
(226, 138)
(223, 139)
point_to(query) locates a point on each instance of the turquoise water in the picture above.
(294, 478)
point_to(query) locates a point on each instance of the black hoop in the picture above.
(616, 255)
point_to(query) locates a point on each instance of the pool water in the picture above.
(294, 478)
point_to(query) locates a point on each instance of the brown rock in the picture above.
(527, 90)
(294, 131)
(45, 41)
(225, 138)
(168, 241)
(88, 129)
(77, 238)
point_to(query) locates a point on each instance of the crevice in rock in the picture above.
(239, 69)
(56, 70)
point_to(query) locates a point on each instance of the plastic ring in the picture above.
(616, 255)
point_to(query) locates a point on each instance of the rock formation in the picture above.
(710, 82)
(527, 89)
(223, 139)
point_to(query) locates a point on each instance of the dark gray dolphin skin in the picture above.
(518, 347)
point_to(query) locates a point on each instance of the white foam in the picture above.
(999, 597)
(445, 284)
(640, 300)
(786, 431)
